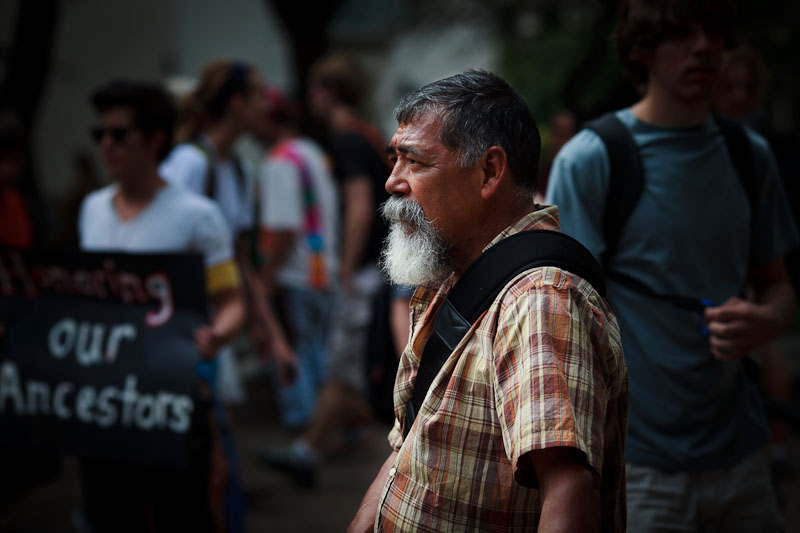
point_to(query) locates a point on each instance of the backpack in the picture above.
(626, 182)
(210, 189)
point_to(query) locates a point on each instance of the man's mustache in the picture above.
(397, 210)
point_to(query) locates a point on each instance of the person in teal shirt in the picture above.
(696, 451)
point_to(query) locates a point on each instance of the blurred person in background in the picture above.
(21, 468)
(738, 95)
(17, 190)
(741, 85)
(142, 212)
(224, 104)
(699, 235)
(337, 89)
(299, 240)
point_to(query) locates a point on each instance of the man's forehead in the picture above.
(420, 132)
(117, 114)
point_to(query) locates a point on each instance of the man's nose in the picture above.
(397, 185)
(701, 39)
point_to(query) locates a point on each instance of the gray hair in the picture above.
(478, 110)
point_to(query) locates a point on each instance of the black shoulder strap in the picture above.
(626, 177)
(741, 154)
(480, 284)
(211, 175)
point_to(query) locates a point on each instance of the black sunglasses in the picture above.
(118, 133)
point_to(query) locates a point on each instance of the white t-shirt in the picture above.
(282, 208)
(175, 221)
(187, 166)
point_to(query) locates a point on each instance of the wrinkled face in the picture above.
(427, 173)
(686, 66)
(126, 151)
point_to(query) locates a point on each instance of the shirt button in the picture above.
(392, 471)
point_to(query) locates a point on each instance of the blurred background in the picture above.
(557, 53)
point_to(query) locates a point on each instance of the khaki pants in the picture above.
(728, 500)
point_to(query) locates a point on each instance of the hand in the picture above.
(737, 327)
(285, 359)
(260, 341)
(207, 341)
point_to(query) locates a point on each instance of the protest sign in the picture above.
(97, 357)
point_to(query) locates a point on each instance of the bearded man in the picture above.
(523, 426)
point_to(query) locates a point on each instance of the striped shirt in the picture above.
(543, 367)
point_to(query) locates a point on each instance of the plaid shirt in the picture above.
(542, 368)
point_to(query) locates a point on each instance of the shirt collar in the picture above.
(542, 217)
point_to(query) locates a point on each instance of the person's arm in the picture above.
(568, 487)
(229, 316)
(400, 322)
(359, 211)
(276, 244)
(267, 334)
(365, 516)
(738, 326)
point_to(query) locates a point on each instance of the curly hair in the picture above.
(643, 24)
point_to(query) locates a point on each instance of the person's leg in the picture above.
(741, 498)
(298, 399)
(339, 407)
(660, 502)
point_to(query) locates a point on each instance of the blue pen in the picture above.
(704, 302)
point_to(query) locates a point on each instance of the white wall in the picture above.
(147, 39)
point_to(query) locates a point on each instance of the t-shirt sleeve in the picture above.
(187, 167)
(281, 197)
(213, 240)
(774, 228)
(549, 386)
(578, 185)
(353, 156)
(211, 236)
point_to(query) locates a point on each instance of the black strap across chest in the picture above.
(480, 285)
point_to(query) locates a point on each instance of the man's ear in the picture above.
(495, 171)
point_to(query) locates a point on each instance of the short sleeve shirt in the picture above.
(542, 368)
(691, 234)
(175, 221)
(187, 166)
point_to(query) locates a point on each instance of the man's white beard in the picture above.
(416, 258)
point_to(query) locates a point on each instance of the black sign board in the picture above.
(97, 357)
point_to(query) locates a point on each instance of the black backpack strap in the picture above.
(626, 177)
(211, 175)
(741, 153)
(480, 285)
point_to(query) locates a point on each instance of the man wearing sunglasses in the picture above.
(140, 212)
